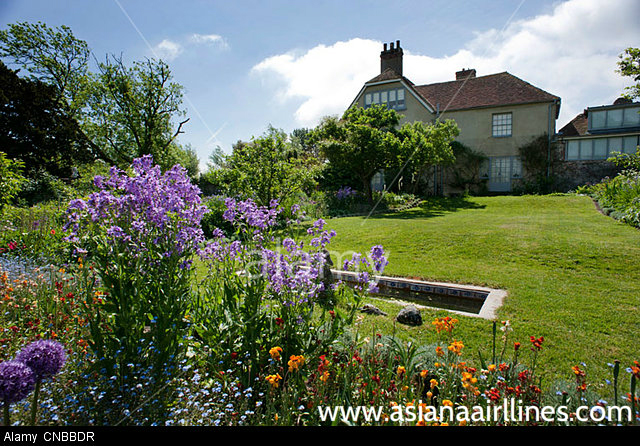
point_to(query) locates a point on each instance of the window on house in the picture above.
(393, 99)
(617, 118)
(600, 148)
(501, 125)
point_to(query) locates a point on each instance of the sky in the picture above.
(247, 65)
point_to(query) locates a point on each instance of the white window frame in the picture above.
(502, 125)
(398, 104)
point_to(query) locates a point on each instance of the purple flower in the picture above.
(16, 381)
(44, 357)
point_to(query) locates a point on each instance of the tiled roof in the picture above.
(484, 91)
(577, 127)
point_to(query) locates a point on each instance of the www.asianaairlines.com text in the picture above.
(509, 412)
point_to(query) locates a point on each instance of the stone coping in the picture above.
(490, 299)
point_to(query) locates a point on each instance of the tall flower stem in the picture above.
(5, 410)
(34, 407)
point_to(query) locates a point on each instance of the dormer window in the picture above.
(393, 99)
(613, 119)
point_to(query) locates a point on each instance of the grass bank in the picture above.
(572, 274)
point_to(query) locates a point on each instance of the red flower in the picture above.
(516, 346)
(279, 321)
(53, 232)
(537, 343)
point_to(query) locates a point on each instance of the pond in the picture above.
(466, 299)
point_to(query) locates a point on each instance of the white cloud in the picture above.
(167, 50)
(327, 78)
(209, 39)
(570, 52)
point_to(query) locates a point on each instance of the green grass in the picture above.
(572, 274)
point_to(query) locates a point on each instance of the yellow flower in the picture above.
(275, 353)
(324, 377)
(401, 371)
(492, 367)
(447, 403)
(456, 347)
(274, 380)
(295, 362)
(433, 383)
(424, 373)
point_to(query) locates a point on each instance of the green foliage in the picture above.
(36, 129)
(130, 111)
(35, 233)
(267, 169)
(11, 179)
(629, 66)
(125, 111)
(214, 219)
(424, 146)
(540, 159)
(362, 141)
(466, 170)
(53, 56)
(620, 196)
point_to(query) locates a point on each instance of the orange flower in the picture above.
(274, 380)
(295, 362)
(401, 371)
(444, 324)
(275, 353)
(439, 351)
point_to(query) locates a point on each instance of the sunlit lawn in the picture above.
(572, 274)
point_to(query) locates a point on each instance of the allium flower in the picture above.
(44, 357)
(16, 381)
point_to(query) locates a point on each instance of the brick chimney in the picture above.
(465, 74)
(391, 58)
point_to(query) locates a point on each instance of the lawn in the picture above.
(572, 274)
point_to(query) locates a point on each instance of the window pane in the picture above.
(631, 117)
(367, 99)
(392, 96)
(630, 144)
(376, 98)
(400, 94)
(383, 97)
(597, 119)
(516, 167)
(501, 125)
(600, 148)
(572, 150)
(586, 149)
(614, 118)
(615, 145)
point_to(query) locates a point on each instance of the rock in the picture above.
(409, 315)
(371, 309)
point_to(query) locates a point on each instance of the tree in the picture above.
(266, 168)
(424, 146)
(53, 56)
(130, 110)
(126, 112)
(363, 140)
(629, 65)
(35, 129)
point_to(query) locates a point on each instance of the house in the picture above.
(496, 114)
(595, 135)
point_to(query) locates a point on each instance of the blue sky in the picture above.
(246, 65)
